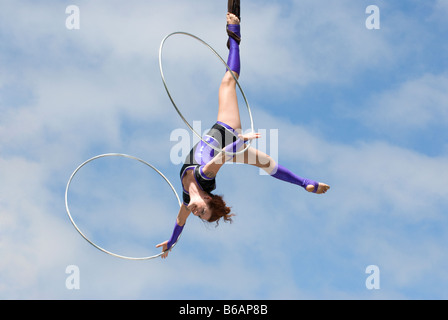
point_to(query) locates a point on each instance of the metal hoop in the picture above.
(79, 230)
(177, 109)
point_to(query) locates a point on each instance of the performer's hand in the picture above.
(249, 136)
(164, 246)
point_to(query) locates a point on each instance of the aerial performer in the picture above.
(202, 165)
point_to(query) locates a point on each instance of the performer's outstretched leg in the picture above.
(263, 161)
(228, 112)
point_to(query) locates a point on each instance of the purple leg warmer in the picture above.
(234, 50)
(284, 174)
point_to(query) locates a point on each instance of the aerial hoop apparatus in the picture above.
(79, 230)
(175, 105)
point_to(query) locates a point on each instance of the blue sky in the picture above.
(363, 110)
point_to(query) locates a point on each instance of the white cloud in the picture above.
(440, 11)
(416, 104)
(282, 47)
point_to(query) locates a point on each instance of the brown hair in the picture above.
(219, 210)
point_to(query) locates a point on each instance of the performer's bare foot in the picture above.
(232, 19)
(322, 188)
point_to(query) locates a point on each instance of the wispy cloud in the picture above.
(417, 104)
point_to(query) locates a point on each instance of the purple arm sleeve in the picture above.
(234, 146)
(176, 233)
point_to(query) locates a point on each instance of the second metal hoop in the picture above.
(79, 230)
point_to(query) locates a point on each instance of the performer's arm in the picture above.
(182, 216)
(211, 168)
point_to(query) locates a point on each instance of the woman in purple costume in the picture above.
(203, 162)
